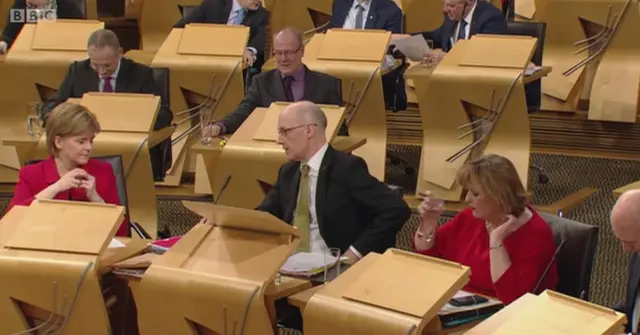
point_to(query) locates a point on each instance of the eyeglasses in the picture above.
(286, 131)
(287, 53)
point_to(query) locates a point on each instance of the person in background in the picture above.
(625, 223)
(330, 195)
(290, 81)
(463, 19)
(64, 9)
(248, 13)
(68, 173)
(506, 243)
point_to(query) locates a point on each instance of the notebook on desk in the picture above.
(451, 316)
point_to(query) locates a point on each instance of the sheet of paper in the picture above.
(116, 244)
(531, 69)
(413, 47)
(306, 261)
(461, 294)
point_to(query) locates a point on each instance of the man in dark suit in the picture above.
(380, 15)
(330, 195)
(249, 13)
(366, 14)
(625, 223)
(64, 9)
(107, 71)
(463, 19)
(290, 81)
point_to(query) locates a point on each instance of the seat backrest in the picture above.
(118, 171)
(161, 77)
(575, 259)
(161, 154)
(81, 5)
(186, 10)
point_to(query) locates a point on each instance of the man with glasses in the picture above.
(330, 195)
(290, 81)
(107, 71)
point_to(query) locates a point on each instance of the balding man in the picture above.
(290, 81)
(107, 71)
(330, 195)
(625, 222)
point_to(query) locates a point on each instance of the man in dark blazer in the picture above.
(330, 195)
(107, 71)
(463, 19)
(290, 81)
(249, 13)
(376, 14)
(65, 9)
(625, 223)
(380, 15)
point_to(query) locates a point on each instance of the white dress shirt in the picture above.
(113, 76)
(350, 20)
(467, 19)
(316, 242)
(232, 15)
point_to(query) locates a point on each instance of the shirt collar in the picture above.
(298, 75)
(235, 7)
(470, 14)
(316, 160)
(365, 4)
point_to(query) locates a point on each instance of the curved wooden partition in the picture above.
(609, 31)
(355, 57)
(206, 80)
(476, 105)
(156, 20)
(383, 294)
(213, 281)
(50, 277)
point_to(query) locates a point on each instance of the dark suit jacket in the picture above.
(267, 88)
(34, 178)
(132, 78)
(633, 284)
(353, 207)
(487, 19)
(383, 15)
(218, 11)
(66, 10)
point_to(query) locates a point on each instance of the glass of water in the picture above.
(332, 263)
(205, 134)
(34, 122)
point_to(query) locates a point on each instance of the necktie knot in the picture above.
(304, 169)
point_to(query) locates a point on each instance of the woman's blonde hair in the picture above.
(69, 119)
(498, 178)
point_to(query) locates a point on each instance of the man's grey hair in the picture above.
(104, 38)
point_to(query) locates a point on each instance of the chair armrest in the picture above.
(137, 228)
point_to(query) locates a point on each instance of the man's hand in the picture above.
(433, 57)
(351, 257)
(3, 47)
(249, 58)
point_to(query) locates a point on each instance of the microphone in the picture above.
(544, 274)
(224, 187)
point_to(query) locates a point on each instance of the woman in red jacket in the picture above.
(68, 173)
(506, 244)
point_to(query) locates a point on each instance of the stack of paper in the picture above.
(306, 264)
(451, 315)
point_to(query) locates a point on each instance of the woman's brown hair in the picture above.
(69, 119)
(498, 178)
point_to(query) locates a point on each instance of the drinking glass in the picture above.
(331, 260)
(34, 122)
(204, 122)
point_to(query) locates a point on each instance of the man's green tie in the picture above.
(301, 216)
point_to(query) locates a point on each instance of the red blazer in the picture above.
(36, 177)
(465, 240)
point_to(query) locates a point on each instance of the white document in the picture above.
(116, 244)
(531, 69)
(307, 261)
(414, 47)
(461, 294)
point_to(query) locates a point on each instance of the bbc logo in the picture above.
(32, 15)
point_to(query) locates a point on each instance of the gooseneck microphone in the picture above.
(544, 274)
(224, 187)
